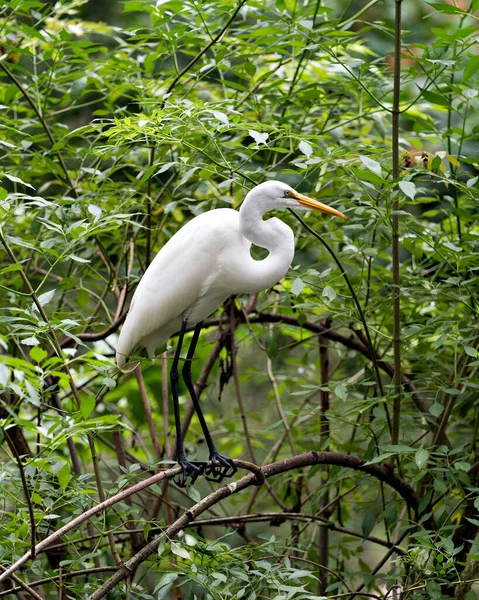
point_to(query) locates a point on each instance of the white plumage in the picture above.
(207, 260)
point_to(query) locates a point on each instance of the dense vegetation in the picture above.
(115, 132)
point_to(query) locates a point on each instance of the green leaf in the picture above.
(164, 586)
(470, 351)
(193, 493)
(341, 391)
(221, 117)
(109, 382)
(372, 165)
(272, 347)
(329, 293)
(305, 148)
(64, 476)
(471, 68)
(297, 286)
(38, 354)
(435, 98)
(78, 87)
(180, 550)
(45, 298)
(10, 268)
(87, 406)
(408, 188)
(436, 409)
(434, 590)
(446, 8)
(95, 210)
(436, 163)
(368, 524)
(421, 457)
(78, 258)
(15, 179)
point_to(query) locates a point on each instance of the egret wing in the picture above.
(178, 276)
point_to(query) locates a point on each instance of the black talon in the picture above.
(220, 467)
(191, 469)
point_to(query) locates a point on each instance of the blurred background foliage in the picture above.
(121, 121)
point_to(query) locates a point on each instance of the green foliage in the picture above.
(146, 118)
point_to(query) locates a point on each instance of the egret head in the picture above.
(276, 194)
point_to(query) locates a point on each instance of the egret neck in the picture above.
(271, 234)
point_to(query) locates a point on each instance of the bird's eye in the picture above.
(286, 193)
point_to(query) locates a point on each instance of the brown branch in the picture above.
(239, 397)
(306, 459)
(136, 539)
(296, 462)
(232, 347)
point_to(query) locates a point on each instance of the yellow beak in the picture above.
(315, 205)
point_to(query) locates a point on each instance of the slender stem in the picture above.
(193, 62)
(149, 416)
(356, 303)
(42, 120)
(396, 266)
(357, 15)
(151, 162)
(239, 397)
(166, 408)
(101, 493)
(300, 61)
(26, 491)
(323, 545)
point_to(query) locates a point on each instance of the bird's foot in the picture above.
(190, 470)
(219, 468)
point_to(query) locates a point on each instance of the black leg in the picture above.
(190, 469)
(221, 466)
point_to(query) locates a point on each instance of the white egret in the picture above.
(206, 261)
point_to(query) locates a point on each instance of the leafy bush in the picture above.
(114, 135)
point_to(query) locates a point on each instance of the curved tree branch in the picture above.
(381, 472)
(255, 477)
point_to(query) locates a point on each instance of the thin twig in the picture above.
(101, 493)
(396, 265)
(26, 491)
(239, 396)
(21, 586)
(148, 414)
(43, 122)
(323, 544)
